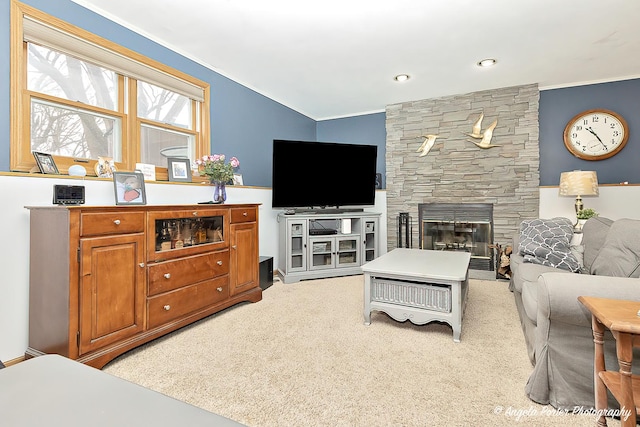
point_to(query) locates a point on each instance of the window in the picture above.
(79, 97)
(166, 125)
(68, 99)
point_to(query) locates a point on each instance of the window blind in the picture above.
(55, 38)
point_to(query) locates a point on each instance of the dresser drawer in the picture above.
(173, 305)
(168, 275)
(243, 215)
(92, 224)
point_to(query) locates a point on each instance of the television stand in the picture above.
(308, 251)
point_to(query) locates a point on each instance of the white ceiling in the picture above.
(336, 58)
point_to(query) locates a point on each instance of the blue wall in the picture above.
(558, 106)
(243, 122)
(365, 129)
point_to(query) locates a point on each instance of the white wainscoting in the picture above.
(615, 202)
(20, 191)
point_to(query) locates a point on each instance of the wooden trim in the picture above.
(11, 362)
(18, 71)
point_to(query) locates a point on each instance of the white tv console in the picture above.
(351, 240)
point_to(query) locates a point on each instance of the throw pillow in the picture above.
(546, 242)
(620, 253)
(594, 233)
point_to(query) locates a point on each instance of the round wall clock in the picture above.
(596, 134)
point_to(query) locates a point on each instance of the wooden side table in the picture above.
(622, 318)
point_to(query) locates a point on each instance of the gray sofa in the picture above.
(557, 328)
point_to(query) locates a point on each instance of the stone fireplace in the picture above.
(457, 171)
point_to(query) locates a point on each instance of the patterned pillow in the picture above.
(546, 242)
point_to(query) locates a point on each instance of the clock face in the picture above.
(596, 134)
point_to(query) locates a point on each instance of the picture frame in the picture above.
(237, 179)
(179, 169)
(45, 163)
(129, 188)
(148, 170)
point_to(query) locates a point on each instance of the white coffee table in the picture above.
(418, 285)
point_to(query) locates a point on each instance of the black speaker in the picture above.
(266, 272)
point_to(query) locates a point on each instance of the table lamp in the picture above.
(578, 184)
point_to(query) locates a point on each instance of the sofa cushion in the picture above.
(546, 242)
(530, 300)
(526, 281)
(594, 233)
(620, 253)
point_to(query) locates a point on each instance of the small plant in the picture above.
(587, 213)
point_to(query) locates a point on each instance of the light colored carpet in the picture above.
(303, 357)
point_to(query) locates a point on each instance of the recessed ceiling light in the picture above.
(489, 62)
(401, 77)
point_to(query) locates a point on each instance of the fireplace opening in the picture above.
(464, 227)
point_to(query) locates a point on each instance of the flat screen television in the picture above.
(315, 175)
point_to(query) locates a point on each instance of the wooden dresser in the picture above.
(104, 280)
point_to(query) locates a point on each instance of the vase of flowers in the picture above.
(219, 173)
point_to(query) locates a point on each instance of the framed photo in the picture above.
(129, 188)
(179, 169)
(45, 163)
(237, 179)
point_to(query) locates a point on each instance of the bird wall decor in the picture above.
(429, 140)
(486, 137)
(476, 130)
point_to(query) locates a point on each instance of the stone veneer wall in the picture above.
(456, 170)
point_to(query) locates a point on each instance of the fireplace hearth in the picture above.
(466, 227)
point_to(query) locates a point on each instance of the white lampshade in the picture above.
(578, 183)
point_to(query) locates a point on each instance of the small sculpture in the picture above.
(476, 131)
(105, 167)
(486, 137)
(427, 144)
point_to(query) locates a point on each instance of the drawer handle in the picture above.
(167, 307)
(167, 275)
(141, 265)
(219, 289)
(245, 214)
(234, 247)
(195, 214)
(116, 222)
(219, 263)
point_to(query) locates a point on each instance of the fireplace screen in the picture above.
(459, 227)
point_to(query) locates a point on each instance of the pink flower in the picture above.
(234, 162)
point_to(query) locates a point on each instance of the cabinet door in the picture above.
(181, 232)
(370, 241)
(297, 247)
(321, 253)
(347, 251)
(243, 273)
(112, 277)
